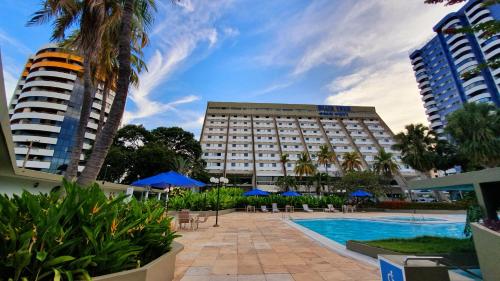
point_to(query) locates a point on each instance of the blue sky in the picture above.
(346, 52)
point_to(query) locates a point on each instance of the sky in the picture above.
(341, 52)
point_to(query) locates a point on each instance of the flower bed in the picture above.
(75, 233)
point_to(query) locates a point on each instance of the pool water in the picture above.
(410, 219)
(341, 230)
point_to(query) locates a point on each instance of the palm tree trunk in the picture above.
(318, 190)
(103, 143)
(102, 114)
(327, 178)
(76, 151)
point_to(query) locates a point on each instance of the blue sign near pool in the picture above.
(390, 271)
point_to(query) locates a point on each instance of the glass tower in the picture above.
(440, 64)
(45, 110)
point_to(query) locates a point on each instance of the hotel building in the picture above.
(45, 109)
(244, 141)
(440, 63)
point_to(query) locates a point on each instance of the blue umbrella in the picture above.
(360, 193)
(168, 179)
(256, 192)
(291, 194)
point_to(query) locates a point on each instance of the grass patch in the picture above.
(424, 245)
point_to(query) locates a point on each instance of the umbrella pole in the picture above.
(205, 200)
(217, 210)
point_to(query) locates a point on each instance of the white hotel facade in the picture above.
(244, 141)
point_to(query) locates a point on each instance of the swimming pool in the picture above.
(411, 219)
(341, 230)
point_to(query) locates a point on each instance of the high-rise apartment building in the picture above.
(245, 141)
(45, 110)
(440, 64)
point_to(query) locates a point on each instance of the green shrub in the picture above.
(75, 233)
(233, 198)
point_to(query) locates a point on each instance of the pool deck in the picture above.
(264, 247)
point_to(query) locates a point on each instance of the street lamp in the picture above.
(221, 180)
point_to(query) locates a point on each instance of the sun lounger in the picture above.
(306, 208)
(264, 209)
(330, 208)
(275, 208)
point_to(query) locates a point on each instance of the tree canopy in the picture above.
(138, 153)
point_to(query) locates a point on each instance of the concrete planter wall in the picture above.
(468, 260)
(161, 269)
(487, 243)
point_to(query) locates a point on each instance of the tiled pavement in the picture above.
(261, 247)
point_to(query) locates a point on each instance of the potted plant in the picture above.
(75, 233)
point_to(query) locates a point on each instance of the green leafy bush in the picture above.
(231, 197)
(74, 233)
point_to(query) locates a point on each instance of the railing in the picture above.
(442, 261)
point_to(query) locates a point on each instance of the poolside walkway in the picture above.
(261, 247)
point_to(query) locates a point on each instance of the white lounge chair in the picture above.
(264, 209)
(275, 208)
(306, 208)
(330, 208)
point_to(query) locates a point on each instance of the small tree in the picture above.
(416, 145)
(384, 164)
(476, 131)
(304, 166)
(352, 161)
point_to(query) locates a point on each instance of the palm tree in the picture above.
(124, 40)
(91, 23)
(284, 159)
(416, 146)
(476, 131)
(352, 161)
(94, 19)
(384, 164)
(304, 166)
(325, 158)
(182, 166)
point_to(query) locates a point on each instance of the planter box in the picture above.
(468, 260)
(161, 269)
(487, 243)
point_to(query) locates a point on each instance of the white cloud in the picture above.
(10, 84)
(390, 88)
(6, 39)
(367, 41)
(184, 28)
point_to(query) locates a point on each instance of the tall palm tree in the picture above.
(476, 131)
(89, 18)
(93, 20)
(304, 166)
(384, 164)
(136, 17)
(416, 145)
(352, 161)
(326, 157)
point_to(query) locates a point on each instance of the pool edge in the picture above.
(332, 245)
